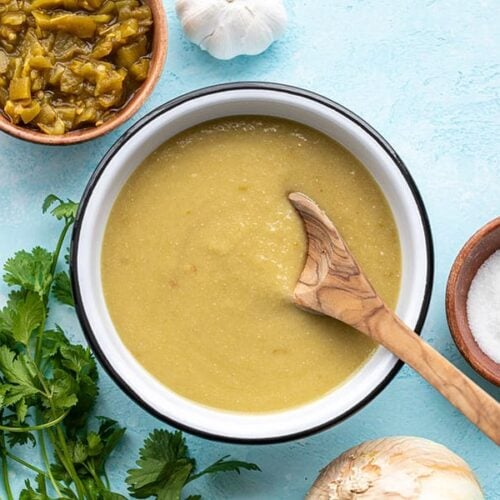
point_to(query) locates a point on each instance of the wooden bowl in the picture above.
(472, 256)
(158, 54)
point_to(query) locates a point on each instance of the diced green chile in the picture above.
(68, 64)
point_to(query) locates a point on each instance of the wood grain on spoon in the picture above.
(333, 284)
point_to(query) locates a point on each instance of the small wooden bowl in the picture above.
(472, 256)
(158, 54)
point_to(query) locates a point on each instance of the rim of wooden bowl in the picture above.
(467, 262)
(158, 56)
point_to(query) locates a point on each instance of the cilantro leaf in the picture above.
(12, 394)
(21, 410)
(17, 368)
(52, 341)
(60, 473)
(4, 388)
(164, 445)
(20, 438)
(62, 289)
(87, 393)
(23, 313)
(28, 315)
(94, 444)
(163, 481)
(80, 362)
(65, 210)
(224, 465)
(16, 438)
(109, 495)
(30, 270)
(49, 201)
(110, 434)
(79, 452)
(40, 493)
(77, 359)
(171, 488)
(63, 388)
(30, 494)
(164, 467)
(7, 313)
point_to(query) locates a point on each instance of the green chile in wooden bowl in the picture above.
(73, 71)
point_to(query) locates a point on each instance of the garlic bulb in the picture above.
(406, 468)
(229, 28)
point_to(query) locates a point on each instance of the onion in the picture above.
(393, 468)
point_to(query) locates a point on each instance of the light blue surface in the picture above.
(426, 74)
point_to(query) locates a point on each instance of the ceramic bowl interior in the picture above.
(148, 135)
(475, 252)
(158, 55)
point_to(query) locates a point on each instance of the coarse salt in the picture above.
(483, 307)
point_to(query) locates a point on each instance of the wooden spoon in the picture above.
(333, 284)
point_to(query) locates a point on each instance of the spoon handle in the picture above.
(475, 403)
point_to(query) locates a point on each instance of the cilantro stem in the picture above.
(96, 478)
(5, 469)
(65, 458)
(39, 427)
(62, 449)
(106, 478)
(41, 329)
(60, 242)
(45, 458)
(19, 460)
(58, 441)
(5, 475)
(55, 259)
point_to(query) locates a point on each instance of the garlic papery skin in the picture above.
(229, 28)
(406, 468)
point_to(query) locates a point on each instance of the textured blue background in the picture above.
(426, 74)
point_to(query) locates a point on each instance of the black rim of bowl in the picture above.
(85, 323)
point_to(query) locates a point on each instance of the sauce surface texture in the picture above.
(202, 252)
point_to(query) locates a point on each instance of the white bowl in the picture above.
(152, 131)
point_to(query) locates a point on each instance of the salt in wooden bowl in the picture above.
(472, 256)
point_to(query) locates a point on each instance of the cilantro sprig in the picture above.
(48, 388)
(165, 467)
(48, 385)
